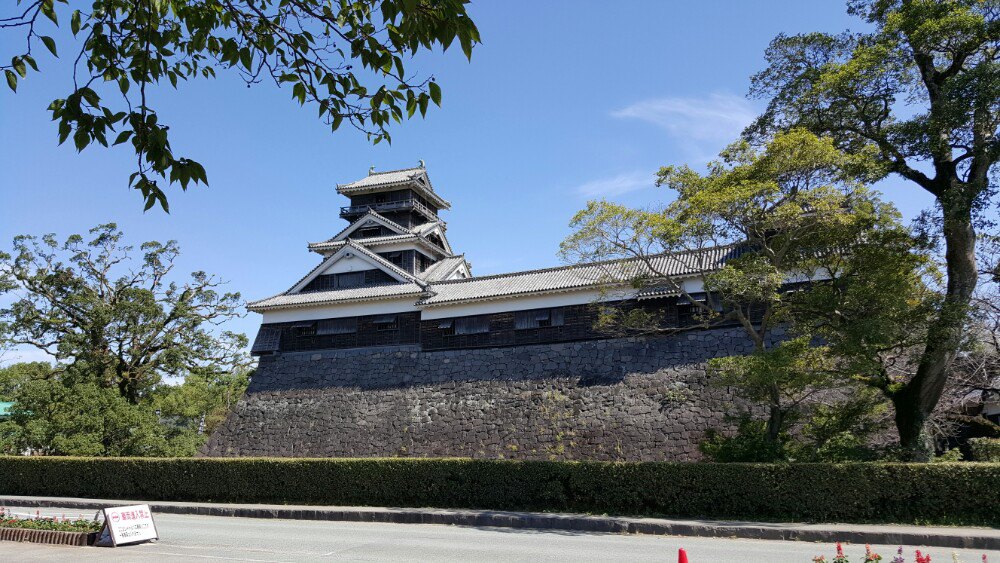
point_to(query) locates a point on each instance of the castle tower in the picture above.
(395, 215)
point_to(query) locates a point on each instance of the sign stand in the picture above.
(127, 525)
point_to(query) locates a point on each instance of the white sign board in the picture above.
(129, 524)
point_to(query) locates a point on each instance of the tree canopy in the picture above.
(795, 214)
(921, 94)
(122, 49)
(139, 365)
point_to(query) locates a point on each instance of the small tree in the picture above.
(124, 48)
(789, 212)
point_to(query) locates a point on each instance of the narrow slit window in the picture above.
(337, 326)
(386, 322)
(524, 320)
(472, 325)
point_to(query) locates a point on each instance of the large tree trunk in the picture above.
(915, 402)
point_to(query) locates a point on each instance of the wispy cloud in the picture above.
(715, 119)
(616, 185)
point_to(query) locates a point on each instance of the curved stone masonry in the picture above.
(639, 399)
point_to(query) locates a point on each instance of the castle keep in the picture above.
(390, 346)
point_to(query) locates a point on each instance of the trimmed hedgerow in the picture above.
(886, 492)
(985, 449)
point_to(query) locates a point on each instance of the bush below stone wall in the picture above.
(955, 493)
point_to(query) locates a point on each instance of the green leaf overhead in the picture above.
(348, 58)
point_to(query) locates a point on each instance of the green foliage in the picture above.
(123, 48)
(821, 252)
(964, 493)
(59, 412)
(791, 368)
(57, 416)
(15, 377)
(115, 318)
(120, 334)
(985, 449)
(918, 92)
(840, 430)
(949, 456)
(750, 444)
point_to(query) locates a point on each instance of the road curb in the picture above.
(968, 538)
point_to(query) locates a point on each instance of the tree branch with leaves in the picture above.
(921, 94)
(124, 48)
(95, 308)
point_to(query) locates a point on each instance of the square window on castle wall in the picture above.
(386, 322)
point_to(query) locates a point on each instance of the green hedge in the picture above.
(985, 449)
(940, 492)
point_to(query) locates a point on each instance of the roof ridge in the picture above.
(423, 170)
(373, 213)
(398, 170)
(367, 240)
(582, 265)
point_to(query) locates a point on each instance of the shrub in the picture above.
(889, 492)
(749, 444)
(985, 449)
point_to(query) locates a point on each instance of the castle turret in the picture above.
(405, 197)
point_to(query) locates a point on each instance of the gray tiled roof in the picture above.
(408, 176)
(576, 277)
(286, 300)
(435, 291)
(442, 268)
(424, 228)
(383, 178)
(333, 245)
(375, 241)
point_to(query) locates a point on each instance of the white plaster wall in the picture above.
(348, 264)
(520, 303)
(342, 310)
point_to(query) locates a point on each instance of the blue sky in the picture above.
(564, 101)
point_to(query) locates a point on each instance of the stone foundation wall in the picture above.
(618, 399)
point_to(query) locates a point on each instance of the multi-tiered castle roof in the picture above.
(394, 260)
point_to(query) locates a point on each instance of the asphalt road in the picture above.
(187, 538)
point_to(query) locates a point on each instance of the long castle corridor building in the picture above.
(391, 346)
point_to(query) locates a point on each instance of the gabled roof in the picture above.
(322, 247)
(415, 178)
(434, 227)
(367, 218)
(371, 257)
(435, 289)
(570, 278)
(410, 285)
(441, 269)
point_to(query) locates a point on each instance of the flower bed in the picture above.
(54, 523)
(48, 529)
